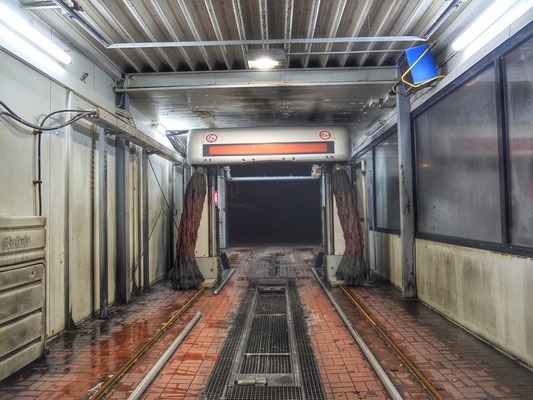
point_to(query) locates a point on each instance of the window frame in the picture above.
(495, 58)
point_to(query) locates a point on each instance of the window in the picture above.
(457, 163)
(519, 98)
(387, 184)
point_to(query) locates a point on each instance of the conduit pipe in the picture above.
(218, 289)
(389, 386)
(139, 390)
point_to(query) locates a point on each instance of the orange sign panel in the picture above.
(263, 149)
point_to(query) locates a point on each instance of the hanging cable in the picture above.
(38, 132)
(80, 114)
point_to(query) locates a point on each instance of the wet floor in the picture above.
(457, 363)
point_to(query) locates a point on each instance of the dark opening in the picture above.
(274, 212)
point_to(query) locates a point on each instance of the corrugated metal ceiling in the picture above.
(184, 37)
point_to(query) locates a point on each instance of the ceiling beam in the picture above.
(138, 82)
(206, 43)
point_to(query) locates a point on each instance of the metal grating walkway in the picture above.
(268, 354)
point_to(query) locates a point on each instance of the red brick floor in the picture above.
(457, 363)
(461, 366)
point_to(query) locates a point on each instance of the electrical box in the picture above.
(422, 70)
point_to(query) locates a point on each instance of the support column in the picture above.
(206, 245)
(407, 215)
(334, 246)
(102, 223)
(222, 216)
(145, 233)
(213, 217)
(123, 222)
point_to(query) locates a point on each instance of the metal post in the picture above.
(69, 323)
(213, 221)
(329, 244)
(407, 215)
(171, 185)
(102, 222)
(122, 215)
(145, 238)
(137, 152)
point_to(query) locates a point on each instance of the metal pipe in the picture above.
(206, 43)
(440, 20)
(271, 178)
(318, 53)
(389, 386)
(218, 289)
(75, 17)
(39, 5)
(139, 390)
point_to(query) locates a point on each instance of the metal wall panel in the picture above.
(22, 292)
(81, 278)
(158, 211)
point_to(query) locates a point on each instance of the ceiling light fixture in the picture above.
(266, 59)
(41, 42)
(491, 20)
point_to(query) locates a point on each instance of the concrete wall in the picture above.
(486, 292)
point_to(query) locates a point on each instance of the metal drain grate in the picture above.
(268, 334)
(261, 364)
(273, 304)
(265, 393)
(268, 354)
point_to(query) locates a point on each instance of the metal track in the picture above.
(383, 377)
(106, 385)
(415, 371)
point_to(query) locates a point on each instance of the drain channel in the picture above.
(268, 354)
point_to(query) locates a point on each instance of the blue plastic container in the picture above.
(422, 71)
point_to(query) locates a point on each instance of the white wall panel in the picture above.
(68, 179)
(28, 95)
(487, 293)
(80, 220)
(158, 216)
(55, 163)
(136, 246)
(385, 256)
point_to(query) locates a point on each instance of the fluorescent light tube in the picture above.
(17, 24)
(490, 16)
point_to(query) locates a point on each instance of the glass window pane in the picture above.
(458, 184)
(519, 77)
(387, 184)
